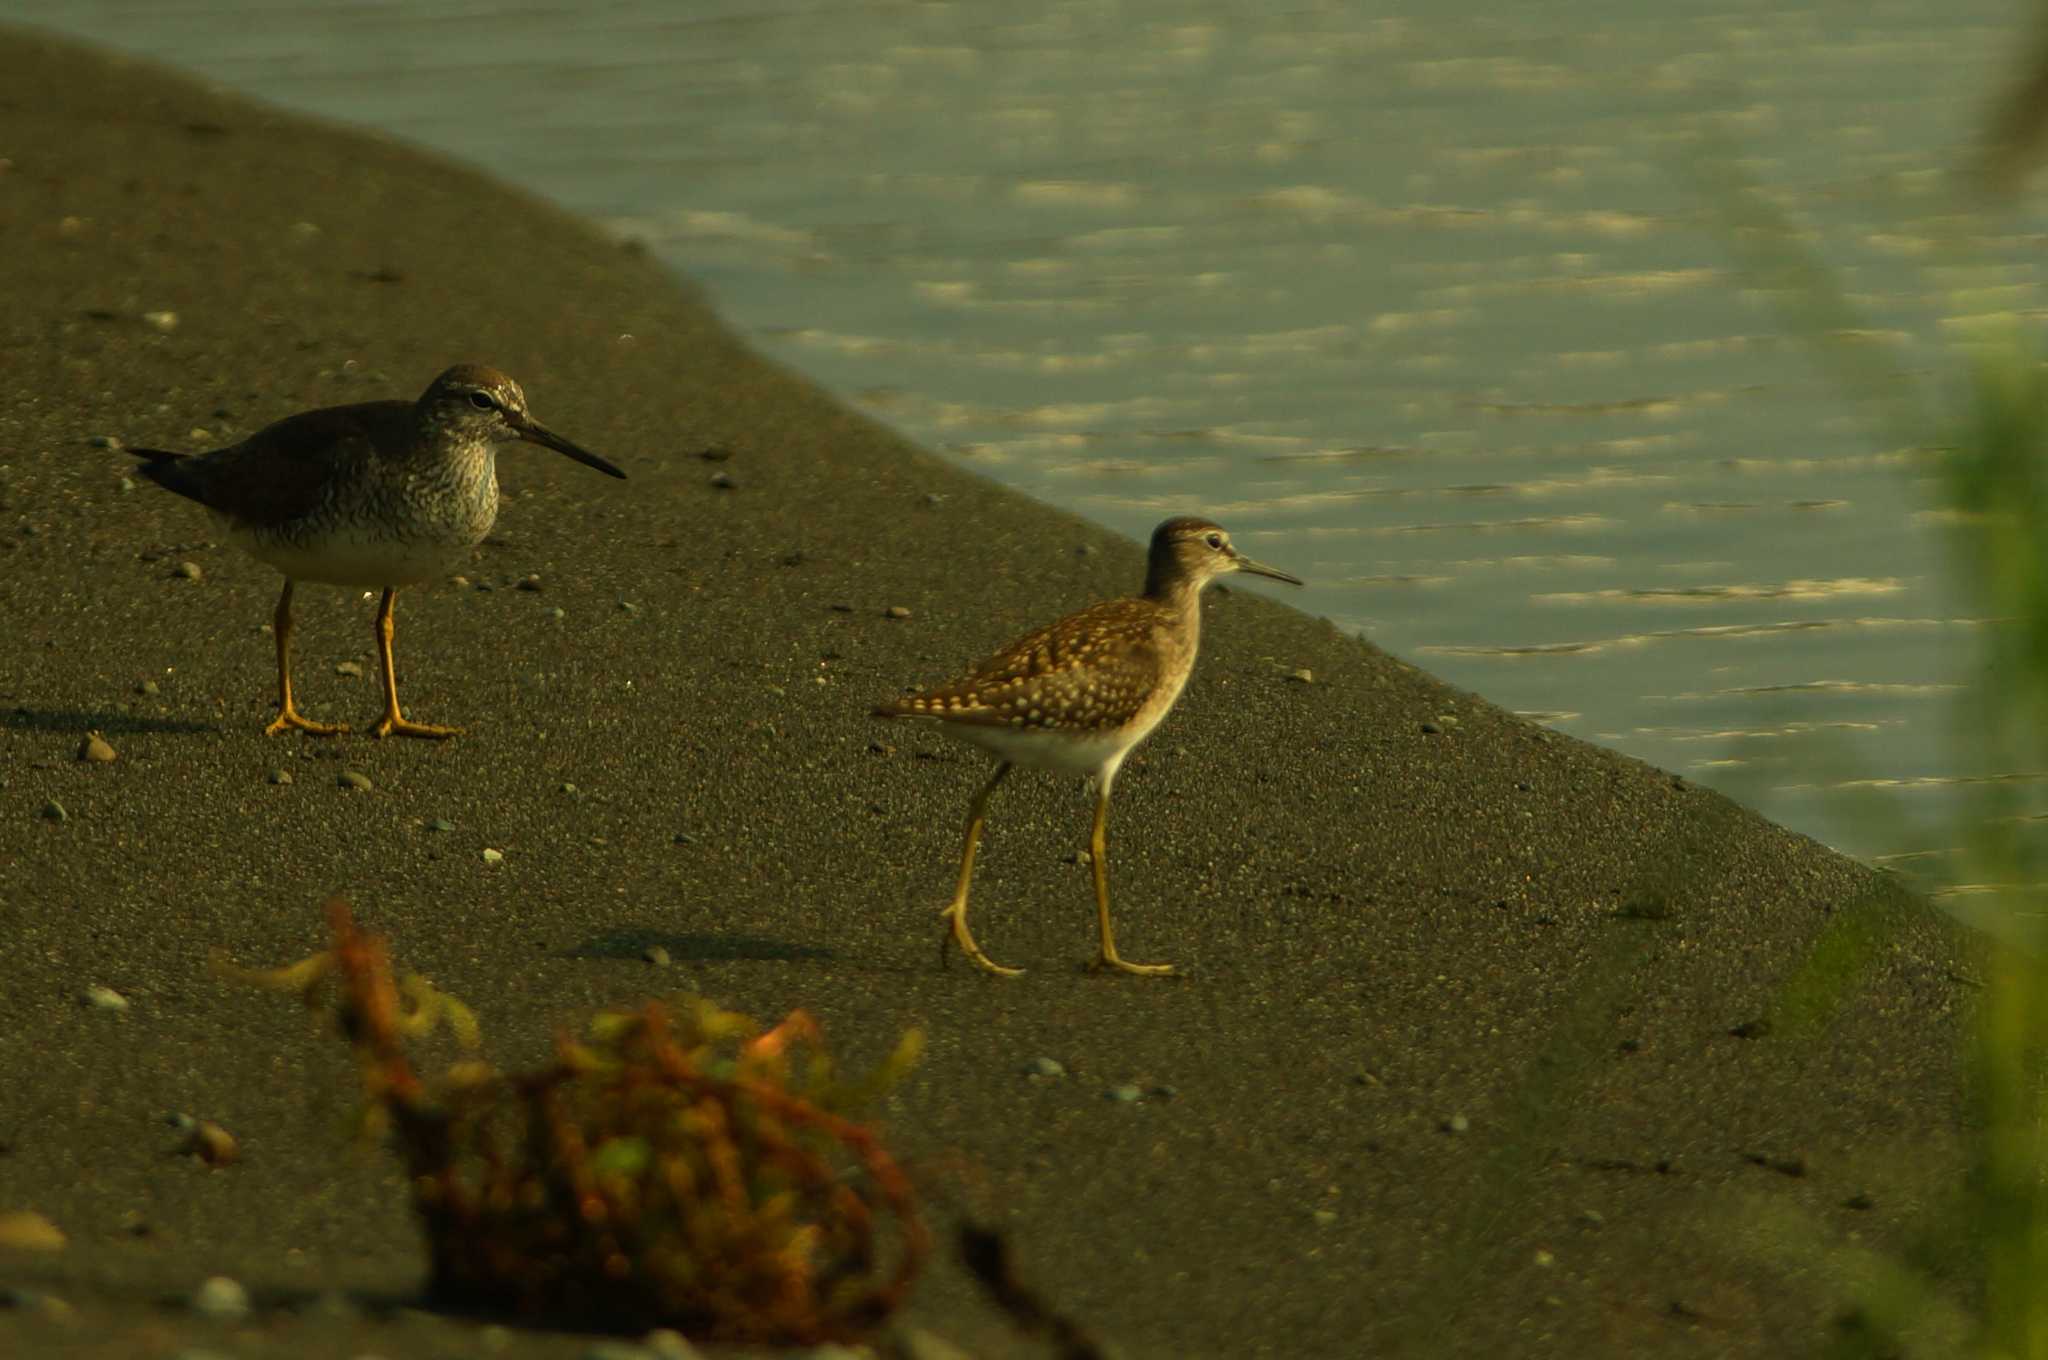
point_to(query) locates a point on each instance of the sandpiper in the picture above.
(380, 494)
(1076, 696)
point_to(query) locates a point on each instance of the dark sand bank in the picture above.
(1385, 926)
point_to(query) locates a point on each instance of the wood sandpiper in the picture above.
(379, 495)
(1076, 696)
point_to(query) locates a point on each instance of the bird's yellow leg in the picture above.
(287, 714)
(393, 721)
(1098, 855)
(956, 911)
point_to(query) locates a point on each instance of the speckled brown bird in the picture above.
(380, 494)
(1076, 696)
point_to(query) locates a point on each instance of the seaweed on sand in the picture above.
(673, 1167)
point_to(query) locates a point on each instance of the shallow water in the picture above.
(1431, 307)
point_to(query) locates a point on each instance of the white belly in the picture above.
(1097, 754)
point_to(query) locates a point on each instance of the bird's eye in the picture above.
(482, 401)
(1215, 541)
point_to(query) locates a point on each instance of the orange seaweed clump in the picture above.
(673, 1167)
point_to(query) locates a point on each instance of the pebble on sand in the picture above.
(105, 999)
(94, 748)
(280, 776)
(220, 1297)
(212, 1144)
(352, 669)
(354, 779)
(27, 1230)
(493, 856)
(896, 611)
(188, 571)
(53, 811)
(664, 1344)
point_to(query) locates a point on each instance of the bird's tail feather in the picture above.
(170, 470)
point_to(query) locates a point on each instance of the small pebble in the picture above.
(896, 611)
(615, 1350)
(1124, 1095)
(352, 669)
(493, 856)
(104, 441)
(558, 613)
(1325, 1217)
(655, 955)
(1447, 720)
(148, 687)
(105, 999)
(1163, 1092)
(95, 749)
(1457, 1123)
(189, 571)
(459, 582)
(334, 1305)
(212, 1144)
(529, 583)
(723, 481)
(569, 789)
(34, 1301)
(664, 1344)
(220, 1297)
(280, 776)
(1304, 676)
(27, 1230)
(628, 607)
(1431, 729)
(354, 779)
(915, 1343)
(1048, 1068)
(1592, 1218)
(163, 321)
(440, 824)
(53, 811)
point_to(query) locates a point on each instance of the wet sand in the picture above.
(1454, 1068)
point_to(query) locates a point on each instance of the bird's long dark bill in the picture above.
(533, 432)
(1261, 569)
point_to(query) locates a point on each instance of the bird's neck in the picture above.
(1181, 594)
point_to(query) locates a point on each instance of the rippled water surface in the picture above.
(1430, 303)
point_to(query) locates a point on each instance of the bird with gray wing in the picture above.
(379, 495)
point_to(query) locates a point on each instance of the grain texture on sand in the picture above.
(1453, 1071)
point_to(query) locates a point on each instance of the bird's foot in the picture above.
(397, 724)
(288, 718)
(957, 914)
(1110, 961)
